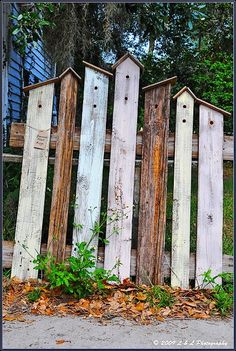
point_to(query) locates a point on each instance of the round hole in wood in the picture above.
(126, 98)
(211, 122)
(27, 269)
(20, 252)
(156, 105)
(184, 120)
(95, 88)
(127, 76)
(20, 265)
(94, 106)
(40, 105)
(184, 106)
(75, 249)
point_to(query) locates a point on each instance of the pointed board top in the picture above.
(171, 81)
(213, 107)
(69, 70)
(183, 90)
(98, 69)
(123, 58)
(40, 84)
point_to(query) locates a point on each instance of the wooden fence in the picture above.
(146, 186)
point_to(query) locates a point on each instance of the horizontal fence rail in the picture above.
(18, 131)
(228, 261)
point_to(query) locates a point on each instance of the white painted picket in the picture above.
(122, 165)
(182, 191)
(91, 156)
(33, 182)
(210, 193)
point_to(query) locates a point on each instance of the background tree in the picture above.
(190, 40)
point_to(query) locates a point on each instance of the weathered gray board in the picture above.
(91, 157)
(122, 164)
(182, 191)
(33, 182)
(210, 194)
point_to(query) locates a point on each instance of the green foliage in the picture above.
(11, 185)
(28, 25)
(78, 275)
(159, 297)
(34, 295)
(223, 294)
(213, 82)
(7, 272)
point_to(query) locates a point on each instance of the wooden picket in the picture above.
(210, 193)
(122, 164)
(63, 164)
(153, 191)
(92, 145)
(182, 189)
(33, 181)
(137, 188)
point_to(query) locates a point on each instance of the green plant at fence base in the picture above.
(34, 295)
(223, 294)
(111, 219)
(7, 272)
(159, 297)
(78, 275)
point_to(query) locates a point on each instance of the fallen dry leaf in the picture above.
(140, 306)
(61, 341)
(140, 296)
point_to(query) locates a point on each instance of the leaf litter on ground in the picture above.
(126, 300)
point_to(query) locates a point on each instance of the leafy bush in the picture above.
(223, 294)
(78, 275)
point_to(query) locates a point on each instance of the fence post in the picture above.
(210, 191)
(122, 164)
(152, 210)
(63, 164)
(91, 155)
(33, 180)
(182, 189)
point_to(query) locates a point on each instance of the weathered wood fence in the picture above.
(128, 183)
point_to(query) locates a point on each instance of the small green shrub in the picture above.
(78, 275)
(159, 297)
(223, 294)
(34, 295)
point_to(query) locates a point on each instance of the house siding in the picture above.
(37, 65)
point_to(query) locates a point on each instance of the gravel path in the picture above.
(42, 332)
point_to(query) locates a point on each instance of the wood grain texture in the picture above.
(210, 194)
(91, 156)
(122, 164)
(153, 189)
(182, 191)
(18, 130)
(33, 183)
(137, 178)
(63, 166)
(228, 261)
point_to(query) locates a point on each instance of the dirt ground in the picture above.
(52, 332)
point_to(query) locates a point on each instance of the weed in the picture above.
(78, 275)
(7, 272)
(159, 297)
(223, 294)
(34, 295)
